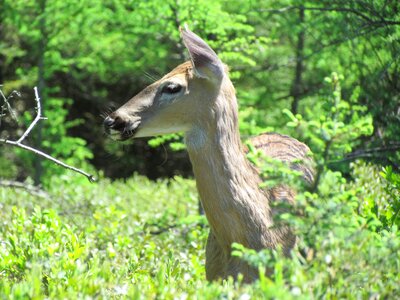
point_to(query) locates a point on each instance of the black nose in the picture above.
(108, 122)
(116, 123)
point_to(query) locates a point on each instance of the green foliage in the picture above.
(144, 239)
(133, 239)
(348, 230)
(141, 239)
(102, 53)
(332, 128)
(175, 141)
(56, 141)
(344, 250)
(391, 209)
(8, 167)
(72, 150)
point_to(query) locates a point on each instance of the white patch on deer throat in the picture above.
(196, 138)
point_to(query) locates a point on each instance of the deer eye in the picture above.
(172, 88)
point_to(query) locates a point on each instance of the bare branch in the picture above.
(373, 153)
(7, 104)
(38, 117)
(34, 190)
(337, 9)
(49, 157)
(19, 143)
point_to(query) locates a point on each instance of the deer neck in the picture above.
(236, 208)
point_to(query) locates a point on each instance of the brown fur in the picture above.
(184, 68)
(237, 209)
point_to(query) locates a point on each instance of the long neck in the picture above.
(237, 210)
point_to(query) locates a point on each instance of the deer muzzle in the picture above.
(120, 128)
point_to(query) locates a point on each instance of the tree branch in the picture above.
(49, 157)
(34, 190)
(337, 9)
(7, 105)
(38, 117)
(19, 143)
(366, 153)
(297, 81)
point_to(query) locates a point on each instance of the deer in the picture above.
(198, 99)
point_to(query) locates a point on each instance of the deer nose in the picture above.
(108, 122)
(117, 123)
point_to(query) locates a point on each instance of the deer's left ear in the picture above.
(205, 61)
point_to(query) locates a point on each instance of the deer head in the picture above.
(175, 103)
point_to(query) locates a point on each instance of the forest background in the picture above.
(324, 72)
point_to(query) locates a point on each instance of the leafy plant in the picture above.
(392, 207)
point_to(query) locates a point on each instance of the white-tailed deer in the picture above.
(198, 98)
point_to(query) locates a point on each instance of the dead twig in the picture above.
(31, 189)
(19, 143)
(356, 12)
(37, 118)
(367, 153)
(6, 105)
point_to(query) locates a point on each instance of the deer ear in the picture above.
(205, 61)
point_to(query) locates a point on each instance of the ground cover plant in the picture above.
(143, 239)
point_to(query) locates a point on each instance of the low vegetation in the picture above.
(142, 239)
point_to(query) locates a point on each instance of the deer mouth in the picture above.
(127, 134)
(120, 131)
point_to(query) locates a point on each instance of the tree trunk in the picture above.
(41, 87)
(2, 39)
(297, 88)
